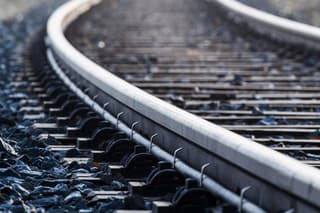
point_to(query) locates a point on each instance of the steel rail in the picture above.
(249, 162)
(208, 183)
(275, 26)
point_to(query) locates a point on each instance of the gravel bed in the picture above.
(33, 178)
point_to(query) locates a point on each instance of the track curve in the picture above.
(254, 164)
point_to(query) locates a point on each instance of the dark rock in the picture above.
(257, 111)
(269, 120)
(57, 172)
(6, 147)
(20, 189)
(31, 173)
(73, 196)
(81, 187)
(60, 189)
(9, 172)
(46, 202)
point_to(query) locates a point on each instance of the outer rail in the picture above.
(275, 26)
(238, 161)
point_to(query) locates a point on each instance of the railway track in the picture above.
(100, 143)
(102, 166)
(267, 93)
(264, 90)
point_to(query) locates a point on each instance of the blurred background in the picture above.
(9, 8)
(307, 11)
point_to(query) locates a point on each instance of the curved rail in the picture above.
(273, 25)
(248, 163)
